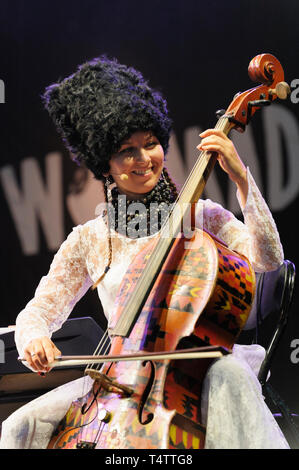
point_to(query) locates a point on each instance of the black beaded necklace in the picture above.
(144, 216)
(155, 205)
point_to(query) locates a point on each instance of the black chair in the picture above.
(273, 299)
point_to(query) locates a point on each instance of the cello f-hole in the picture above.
(145, 394)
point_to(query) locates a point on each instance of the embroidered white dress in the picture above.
(232, 403)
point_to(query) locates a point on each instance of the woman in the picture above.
(116, 125)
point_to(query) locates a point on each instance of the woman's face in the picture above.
(140, 158)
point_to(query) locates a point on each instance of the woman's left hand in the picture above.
(214, 140)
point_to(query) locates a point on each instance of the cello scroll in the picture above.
(266, 69)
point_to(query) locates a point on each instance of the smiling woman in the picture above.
(141, 158)
(119, 128)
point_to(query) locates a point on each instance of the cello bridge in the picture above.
(109, 384)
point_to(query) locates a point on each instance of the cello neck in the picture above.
(196, 181)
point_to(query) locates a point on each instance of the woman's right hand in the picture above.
(40, 352)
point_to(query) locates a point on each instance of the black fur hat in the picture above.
(102, 104)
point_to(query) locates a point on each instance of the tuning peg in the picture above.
(282, 90)
(219, 113)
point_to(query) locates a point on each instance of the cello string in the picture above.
(104, 352)
(102, 347)
(85, 385)
(99, 432)
(104, 338)
(84, 428)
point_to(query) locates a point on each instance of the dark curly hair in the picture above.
(102, 104)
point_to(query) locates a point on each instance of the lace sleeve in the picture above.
(257, 238)
(265, 247)
(56, 294)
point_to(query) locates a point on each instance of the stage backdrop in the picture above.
(197, 54)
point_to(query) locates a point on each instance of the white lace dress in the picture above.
(232, 403)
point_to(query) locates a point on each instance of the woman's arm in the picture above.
(258, 237)
(54, 299)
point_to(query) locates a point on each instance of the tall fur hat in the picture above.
(102, 104)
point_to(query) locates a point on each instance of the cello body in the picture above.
(202, 296)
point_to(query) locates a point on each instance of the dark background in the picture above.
(195, 52)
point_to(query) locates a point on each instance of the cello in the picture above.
(182, 303)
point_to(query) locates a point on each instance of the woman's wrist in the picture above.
(242, 187)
